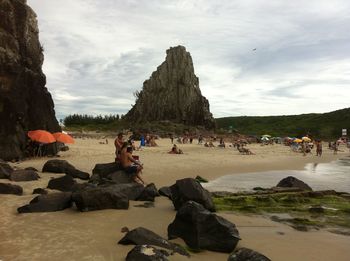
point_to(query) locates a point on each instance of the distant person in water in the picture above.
(131, 166)
(118, 143)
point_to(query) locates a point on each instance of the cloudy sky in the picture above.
(98, 53)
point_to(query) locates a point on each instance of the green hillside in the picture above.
(325, 125)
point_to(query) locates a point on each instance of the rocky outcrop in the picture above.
(201, 229)
(23, 175)
(143, 236)
(10, 189)
(48, 203)
(292, 182)
(25, 103)
(63, 166)
(190, 189)
(172, 93)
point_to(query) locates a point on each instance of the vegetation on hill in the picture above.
(325, 125)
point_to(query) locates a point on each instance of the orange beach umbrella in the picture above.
(62, 137)
(41, 136)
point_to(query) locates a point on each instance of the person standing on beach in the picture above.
(118, 143)
(319, 148)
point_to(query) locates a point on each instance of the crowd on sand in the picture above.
(133, 166)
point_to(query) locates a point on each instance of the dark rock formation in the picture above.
(40, 191)
(143, 236)
(31, 168)
(10, 189)
(146, 253)
(25, 103)
(5, 170)
(149, 193)
(190, 189)
(62, 166)
(292, 182)
(165, 191)
(201, 229)
(244, 254)
(172, 93)
(24, 175)
(48, 203)
(100, 198)
(117, 177)
(104, 169)
(65, 183)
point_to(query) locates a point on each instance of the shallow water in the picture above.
(319, 176)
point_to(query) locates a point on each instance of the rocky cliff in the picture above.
(172, 93)
(25, 103)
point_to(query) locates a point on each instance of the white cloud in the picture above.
(97, 53)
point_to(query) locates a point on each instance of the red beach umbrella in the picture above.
(41, 136)
(62, 137)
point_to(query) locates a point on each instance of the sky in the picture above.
(252, 58)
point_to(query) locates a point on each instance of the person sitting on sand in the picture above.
(211, 144)
(131, 166)
(175, 150)
(118, 143)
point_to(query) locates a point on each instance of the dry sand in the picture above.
(72, 235)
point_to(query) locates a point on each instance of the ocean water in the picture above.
(319, 176)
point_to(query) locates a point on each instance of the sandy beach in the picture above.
(72, 235)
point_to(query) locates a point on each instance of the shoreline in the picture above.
(95, 234)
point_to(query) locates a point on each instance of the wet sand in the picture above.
(72, 235)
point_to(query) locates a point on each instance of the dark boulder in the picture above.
(48, 203)
(143, 236)
(5, 170)
(40, 191)
(24, 175)
(201, 229)
(149, 193)
(100, 198)
(146, 253)
(190, 189)
(65, 183)
(104, 169)
(165, 191)
(120, 177)
(292, 182)
(10, 189)
(31, 168)
(62, 166)
(246, 254)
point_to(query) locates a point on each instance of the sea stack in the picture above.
(25, 103)
(172, 94)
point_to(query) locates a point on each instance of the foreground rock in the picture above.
(48, 203)
(190, 189)
(165, 191)
(292, 182)
(172, 94)
(24, 175)
(117, 177)
(143, 236)
(10, 189)
(201, 229)
(246, 254)
(100, 198)
(104, 169)
(39, 191)
(25, 102)
(5, 170)
(146, 253)
(149, 193)
(65, 183)
(62, 166)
